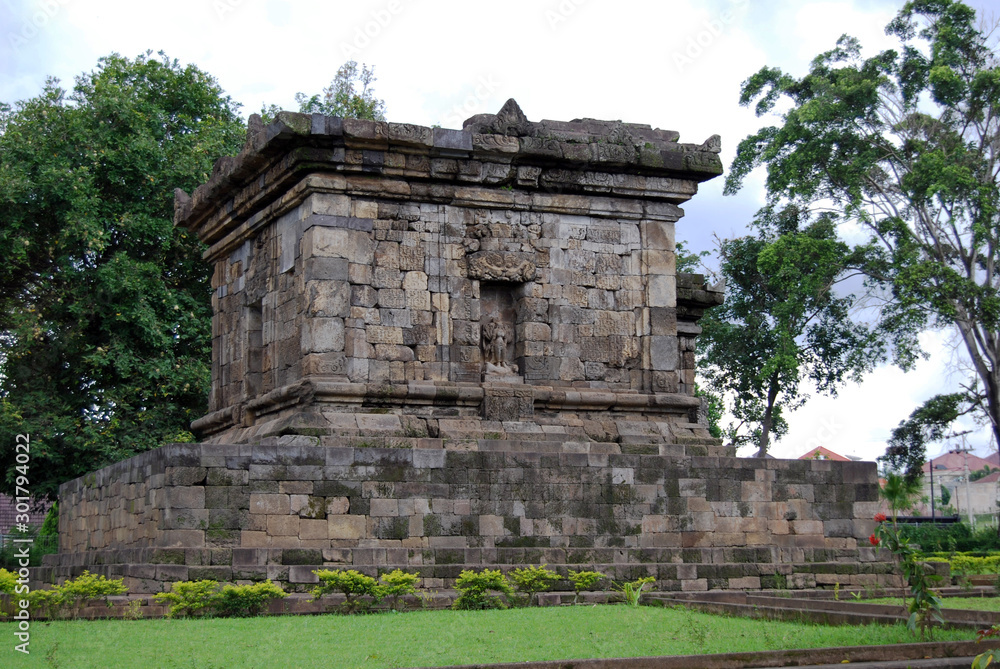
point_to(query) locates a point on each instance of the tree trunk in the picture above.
(765, 425)
(985, 363)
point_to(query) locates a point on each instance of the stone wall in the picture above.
(354, 257)
(280, 508)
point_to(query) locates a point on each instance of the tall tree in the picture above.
(782, 323)
(906, 452)
(906, 146)
(104, 305)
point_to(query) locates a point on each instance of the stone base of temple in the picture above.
(282, 507)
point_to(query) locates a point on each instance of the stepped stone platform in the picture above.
(285, 506)
(441, 349)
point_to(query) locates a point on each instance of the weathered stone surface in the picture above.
(438, 349)
(686, 517)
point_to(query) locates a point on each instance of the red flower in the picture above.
(879, 517)
(874, 540)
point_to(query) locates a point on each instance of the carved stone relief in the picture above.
(501, 266)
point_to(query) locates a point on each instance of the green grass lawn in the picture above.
(422, 638)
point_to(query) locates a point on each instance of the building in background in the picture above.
(8, 514)
(972, 488)
(824, 453)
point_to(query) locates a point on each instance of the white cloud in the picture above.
(859, 420)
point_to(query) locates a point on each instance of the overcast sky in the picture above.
(674, 64)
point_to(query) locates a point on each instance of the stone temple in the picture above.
(442, 349)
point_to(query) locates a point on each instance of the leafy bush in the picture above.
(242, 601)
(8, 584)
(531, 580)
(951, 537)
(50, 526)
(351, 582)
(66, 599)
(8, 581)
(632, 590)
(475, 588)
(190, 598)
(584, 580)
(41, 545)
(398, 583)
(968, 564)
(48, 603)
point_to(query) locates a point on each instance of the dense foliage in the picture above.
(907, 446)
(104, 305)
(782, 323)
(476, 588)
(904, 147)
(952, 537)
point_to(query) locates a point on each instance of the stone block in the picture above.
(392, 298)
(346, 527)
(303, 574)
(184, 497)
(314, 529)
(695, 585)
(185, 476)
(322, 334)
(282, 526)
(663, 352)
(491, 526)
(354, 245)
(337, 506)
(384, 507)
(745, 583)
(415, 280)
(321, 270)
(384, 335)
(328, 299)
(661, 291)
(270, 503)
(184, 519)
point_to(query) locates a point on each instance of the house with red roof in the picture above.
(953, 470)
(823, 453)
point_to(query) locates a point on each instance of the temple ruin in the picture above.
(440, 349)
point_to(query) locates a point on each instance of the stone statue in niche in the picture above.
(495, 338)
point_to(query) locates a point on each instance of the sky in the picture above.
(673, 64)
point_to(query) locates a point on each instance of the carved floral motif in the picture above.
(501, 266)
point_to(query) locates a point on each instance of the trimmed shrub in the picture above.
(243, 601)
(475, 588)
(398, 583)
(351, 582)
(966, 564)
(67, 599)
(189, 598)
(584, 580)
(532, 580)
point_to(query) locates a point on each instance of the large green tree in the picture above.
(104, 305)
(783, 322)
(905, 147)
